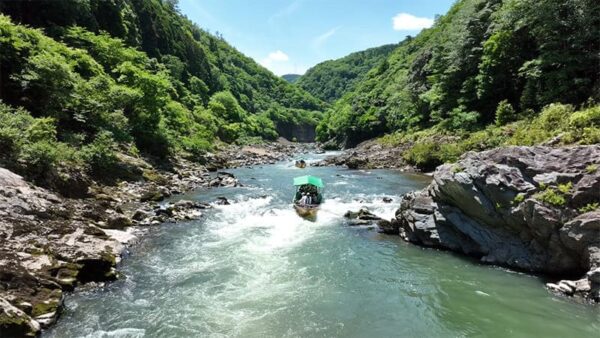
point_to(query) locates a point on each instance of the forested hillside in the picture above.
(81, 79)
(330, 80)
(482, 66)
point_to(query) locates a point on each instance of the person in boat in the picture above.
(304, 200)
(301, 164)
(308, 195)
(308, 190)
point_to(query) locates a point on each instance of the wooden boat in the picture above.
(306, 210)
(308, 197)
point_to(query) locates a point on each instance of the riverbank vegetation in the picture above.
(83, 80)
(557, 124)
(488, 73)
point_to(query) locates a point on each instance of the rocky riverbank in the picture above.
(268, 153)
(371, 155)
(50, 244)
(535, 209)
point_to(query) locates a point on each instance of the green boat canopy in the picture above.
(312, 180)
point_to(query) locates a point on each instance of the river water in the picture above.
(255, 269)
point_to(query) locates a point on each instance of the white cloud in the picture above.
(409, 22)
(279, 63)
(273, 57)
(321, 39)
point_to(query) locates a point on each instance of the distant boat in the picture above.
(309, 196)
(301, 164)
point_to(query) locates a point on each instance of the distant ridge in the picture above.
(330, 80)
(291, 78)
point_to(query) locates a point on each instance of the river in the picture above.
(255, 269)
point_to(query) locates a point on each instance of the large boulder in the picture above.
(224, 179)
(16, 323)
(530, 208)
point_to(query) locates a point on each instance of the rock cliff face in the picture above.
(300, 133)
(529, 208)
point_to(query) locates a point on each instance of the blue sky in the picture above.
(290, 36)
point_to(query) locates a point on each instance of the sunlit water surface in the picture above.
(255, 269)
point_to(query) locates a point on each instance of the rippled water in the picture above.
(255, 269)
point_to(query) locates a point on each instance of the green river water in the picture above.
(255, 269)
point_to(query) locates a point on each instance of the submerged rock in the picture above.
(224, 179)
(222, 201)
(523, 207)
(361, 217)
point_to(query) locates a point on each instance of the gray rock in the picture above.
(389, 227)
(16, 323)
(153, 195)
(118, 222)
(594, 275)
(222, 201)
(475, 211)
(359, 222)
(362, 214)
(141, 214)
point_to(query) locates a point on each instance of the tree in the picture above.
(505, 113)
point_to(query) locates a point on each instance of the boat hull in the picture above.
(307, 211)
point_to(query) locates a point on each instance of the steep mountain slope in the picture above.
(330, 80)
(100, 78)
(157, 28)
(483, 62)
(291, 78)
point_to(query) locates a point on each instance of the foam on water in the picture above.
(120, 333)
(254, 268)
(249, 238)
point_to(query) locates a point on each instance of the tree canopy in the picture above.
(330, 80)
(133, 76)
(477, 60)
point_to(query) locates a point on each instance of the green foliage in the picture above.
(519, 198)
(428, 154)
(551, 197)
(225, 105)
(198, 144)
(29, 146)
(491, 137)
(565, 188)
(330, 80)
(100, 154)
(483, 63)
(127, 75)
(505, 113)
(436, 145)
(423, 155)
(457, 169)
(556, 197)
(555, 120)
(589, 207)
(458, 119)
(39, 158)
(591, 169)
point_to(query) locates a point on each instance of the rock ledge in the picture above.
(529, 208)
